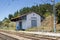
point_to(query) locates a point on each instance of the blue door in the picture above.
(20, 25)
(33, 23)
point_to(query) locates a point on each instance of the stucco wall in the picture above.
(29, 19)
(24, 26)
(17, 24)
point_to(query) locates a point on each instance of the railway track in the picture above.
(32, 36)
(6, 37)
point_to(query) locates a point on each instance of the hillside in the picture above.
(42, 9)
(47, 25)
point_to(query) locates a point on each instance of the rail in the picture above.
(35, 35)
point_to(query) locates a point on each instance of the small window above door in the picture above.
(33, 18)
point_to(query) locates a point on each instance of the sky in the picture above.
(10, 6)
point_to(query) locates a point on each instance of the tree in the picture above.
(1, 24)
(25, 10)
(45, 8)
(58, 12)
(10, 16)
(35, 9)
(42, 9)
(16, 14)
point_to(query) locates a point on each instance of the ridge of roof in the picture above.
(22, 15)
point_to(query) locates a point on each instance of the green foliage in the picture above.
(25, 10)
(6, 22)
(58, 6)
(10, 16)
(47, 14)
(58, 11)
(5, 19)
(42, 9)
(1, 24)
(16, 14)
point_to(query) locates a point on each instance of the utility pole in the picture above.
(54, 11)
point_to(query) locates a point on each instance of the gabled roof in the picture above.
(20, 17)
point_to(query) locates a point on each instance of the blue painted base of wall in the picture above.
(18, 28)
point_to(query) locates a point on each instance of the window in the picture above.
(33, 18)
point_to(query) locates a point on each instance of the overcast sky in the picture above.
(10, 6)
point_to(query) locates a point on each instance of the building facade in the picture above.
(28, 20)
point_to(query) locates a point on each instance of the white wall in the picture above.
(17, 24)
(24, 26)
(28, 23)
